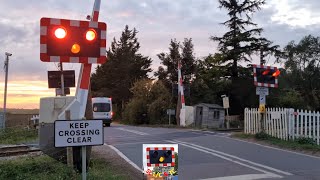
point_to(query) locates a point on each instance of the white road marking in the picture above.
(266, 146)
(211, 132)
(197, 133)
(133, 131)
(228, 159)
(128, 143)
(238, 158)
(124, 157)
(242, 177)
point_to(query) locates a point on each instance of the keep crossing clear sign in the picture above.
(78, 133)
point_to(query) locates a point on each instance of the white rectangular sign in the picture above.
(171, 112)
(226, 102)
(262, 91)
(78, 133)
(276, 115)
(262, 99)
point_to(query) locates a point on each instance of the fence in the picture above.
(35, 121)
(18, 120)
(284, 123)
(233, 118)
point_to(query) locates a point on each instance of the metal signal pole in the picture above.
(6, 66)
(262, 62)
(62, 79)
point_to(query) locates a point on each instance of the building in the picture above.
(209, 116)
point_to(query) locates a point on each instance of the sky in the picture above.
(158, 21)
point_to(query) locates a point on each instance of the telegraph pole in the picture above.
(6, 66)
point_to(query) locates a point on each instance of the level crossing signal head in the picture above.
(63, 40)
(266, 76)
(160, 156)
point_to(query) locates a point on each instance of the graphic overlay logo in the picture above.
(160, 161)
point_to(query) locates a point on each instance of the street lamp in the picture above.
(6, 66)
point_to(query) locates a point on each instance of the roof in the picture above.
(215, 106)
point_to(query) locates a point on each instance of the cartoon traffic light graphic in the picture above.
(162, 157)
(72, 41)
(266, 76)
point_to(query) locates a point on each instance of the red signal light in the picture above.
(91, 35)
(266, 72)
(277, 73)
(60, 33)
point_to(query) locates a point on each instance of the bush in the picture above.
(17, 135)
(176, 165)
(236, 124)
(262, 136)
(303, 140)
(156, 112)
(135, 112)
(148, 105)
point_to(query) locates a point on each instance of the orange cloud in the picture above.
(26, 94)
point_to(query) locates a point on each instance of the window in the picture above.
(101, 107)
(216, 115)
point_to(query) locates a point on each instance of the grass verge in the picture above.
(44, 167)
(15, 135)
(301, 144)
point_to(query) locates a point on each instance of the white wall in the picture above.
(189, 115)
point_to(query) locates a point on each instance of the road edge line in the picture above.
(270, 147)
(124, 157)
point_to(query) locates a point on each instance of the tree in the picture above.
(135, 111)
(210, 81)
(159, 103)
(148, 104)
(240, 42)
(125, 66)
(188, 60)
(170, 74)
(170, 61)
(302, 64)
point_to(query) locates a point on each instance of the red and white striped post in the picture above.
(78, 106)
(85, 72)
(83, 88)
(181, 94)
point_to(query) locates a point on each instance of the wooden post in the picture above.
(69, 149)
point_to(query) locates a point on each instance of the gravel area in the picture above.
(110, 156)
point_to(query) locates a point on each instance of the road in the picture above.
(214, 155)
